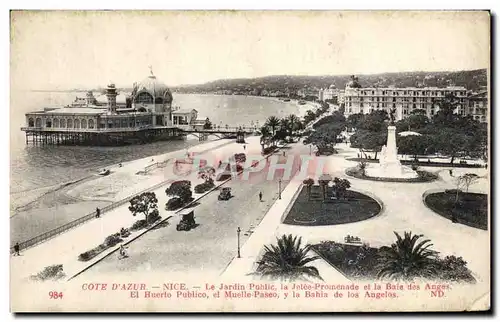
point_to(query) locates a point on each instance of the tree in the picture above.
(412, 123)
(340, 187)
(146, 203)
(287, 260)
(374, 122)
(323, 181)
(407, 258)
(309, 183)
(181, 189)
(447, 106)
(415, 145)
(466, 180)
(207, 174)
(366, 140)
(294, 124)
(309, 117)
(451, 142)
(325, 136)
(272, 122)
(336, 118)
(265, 136)
(354, 120)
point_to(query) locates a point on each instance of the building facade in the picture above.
(404, 100)
(478, 106)
(328, 93)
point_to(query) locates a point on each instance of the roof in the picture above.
(77, 110)
(154, 87)
(184, 111)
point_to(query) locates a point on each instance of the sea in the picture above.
(34, 167)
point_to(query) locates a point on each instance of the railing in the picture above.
(57, 231)
(90, 130)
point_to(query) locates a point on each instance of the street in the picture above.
(208, 248)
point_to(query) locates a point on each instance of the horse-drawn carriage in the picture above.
(187, 220)
(225, 194)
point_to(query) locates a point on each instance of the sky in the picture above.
(69, 49)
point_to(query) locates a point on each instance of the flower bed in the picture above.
(314, 211)
(204, 187)
(364, 262)
(423, 176)
(471, 209)
(110, 241)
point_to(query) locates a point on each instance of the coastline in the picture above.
(49, 207)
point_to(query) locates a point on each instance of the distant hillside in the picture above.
(472, 79)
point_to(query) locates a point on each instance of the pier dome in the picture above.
(151, 88)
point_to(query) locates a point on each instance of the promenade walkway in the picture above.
(65, 248)
(206, 250)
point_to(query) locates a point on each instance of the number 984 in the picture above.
(54, 295)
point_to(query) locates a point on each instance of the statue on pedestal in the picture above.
(392, 115)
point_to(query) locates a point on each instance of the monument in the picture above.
(389, 166)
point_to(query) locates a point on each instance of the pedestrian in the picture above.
(451, 172)
(123, 252)
(16, 249)
(220, 163)
(283, 153)
(244, 147)
(260, 196)
(97, 212)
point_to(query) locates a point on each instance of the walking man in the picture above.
(16, 249)
(260, 196)
(244, 147)
(97, 212)
(451, 172)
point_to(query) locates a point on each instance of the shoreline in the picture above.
(53, 206)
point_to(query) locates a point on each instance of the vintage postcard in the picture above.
(249, 161)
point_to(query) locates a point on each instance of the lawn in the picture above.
(316, 212)
(471, 209)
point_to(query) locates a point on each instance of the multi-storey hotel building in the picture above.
(404, 100)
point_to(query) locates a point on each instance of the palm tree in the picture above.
(309, 183)
(323, 181)
(295, 123)
(286, 126)
(265, 134)
(407, 259)
(286, 260)
(273, 122)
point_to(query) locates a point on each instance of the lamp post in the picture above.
(310, 149)
(238, 231)
(279, 189)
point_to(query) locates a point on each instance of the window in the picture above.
(91, 124)
(56, 122)
(393, 105)
(31, 122)
(144, 98)
(361, 104)
(414, 105)
(77, 123)
(69, 123)
(63, 123)
(38, 122)
(84, 124)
